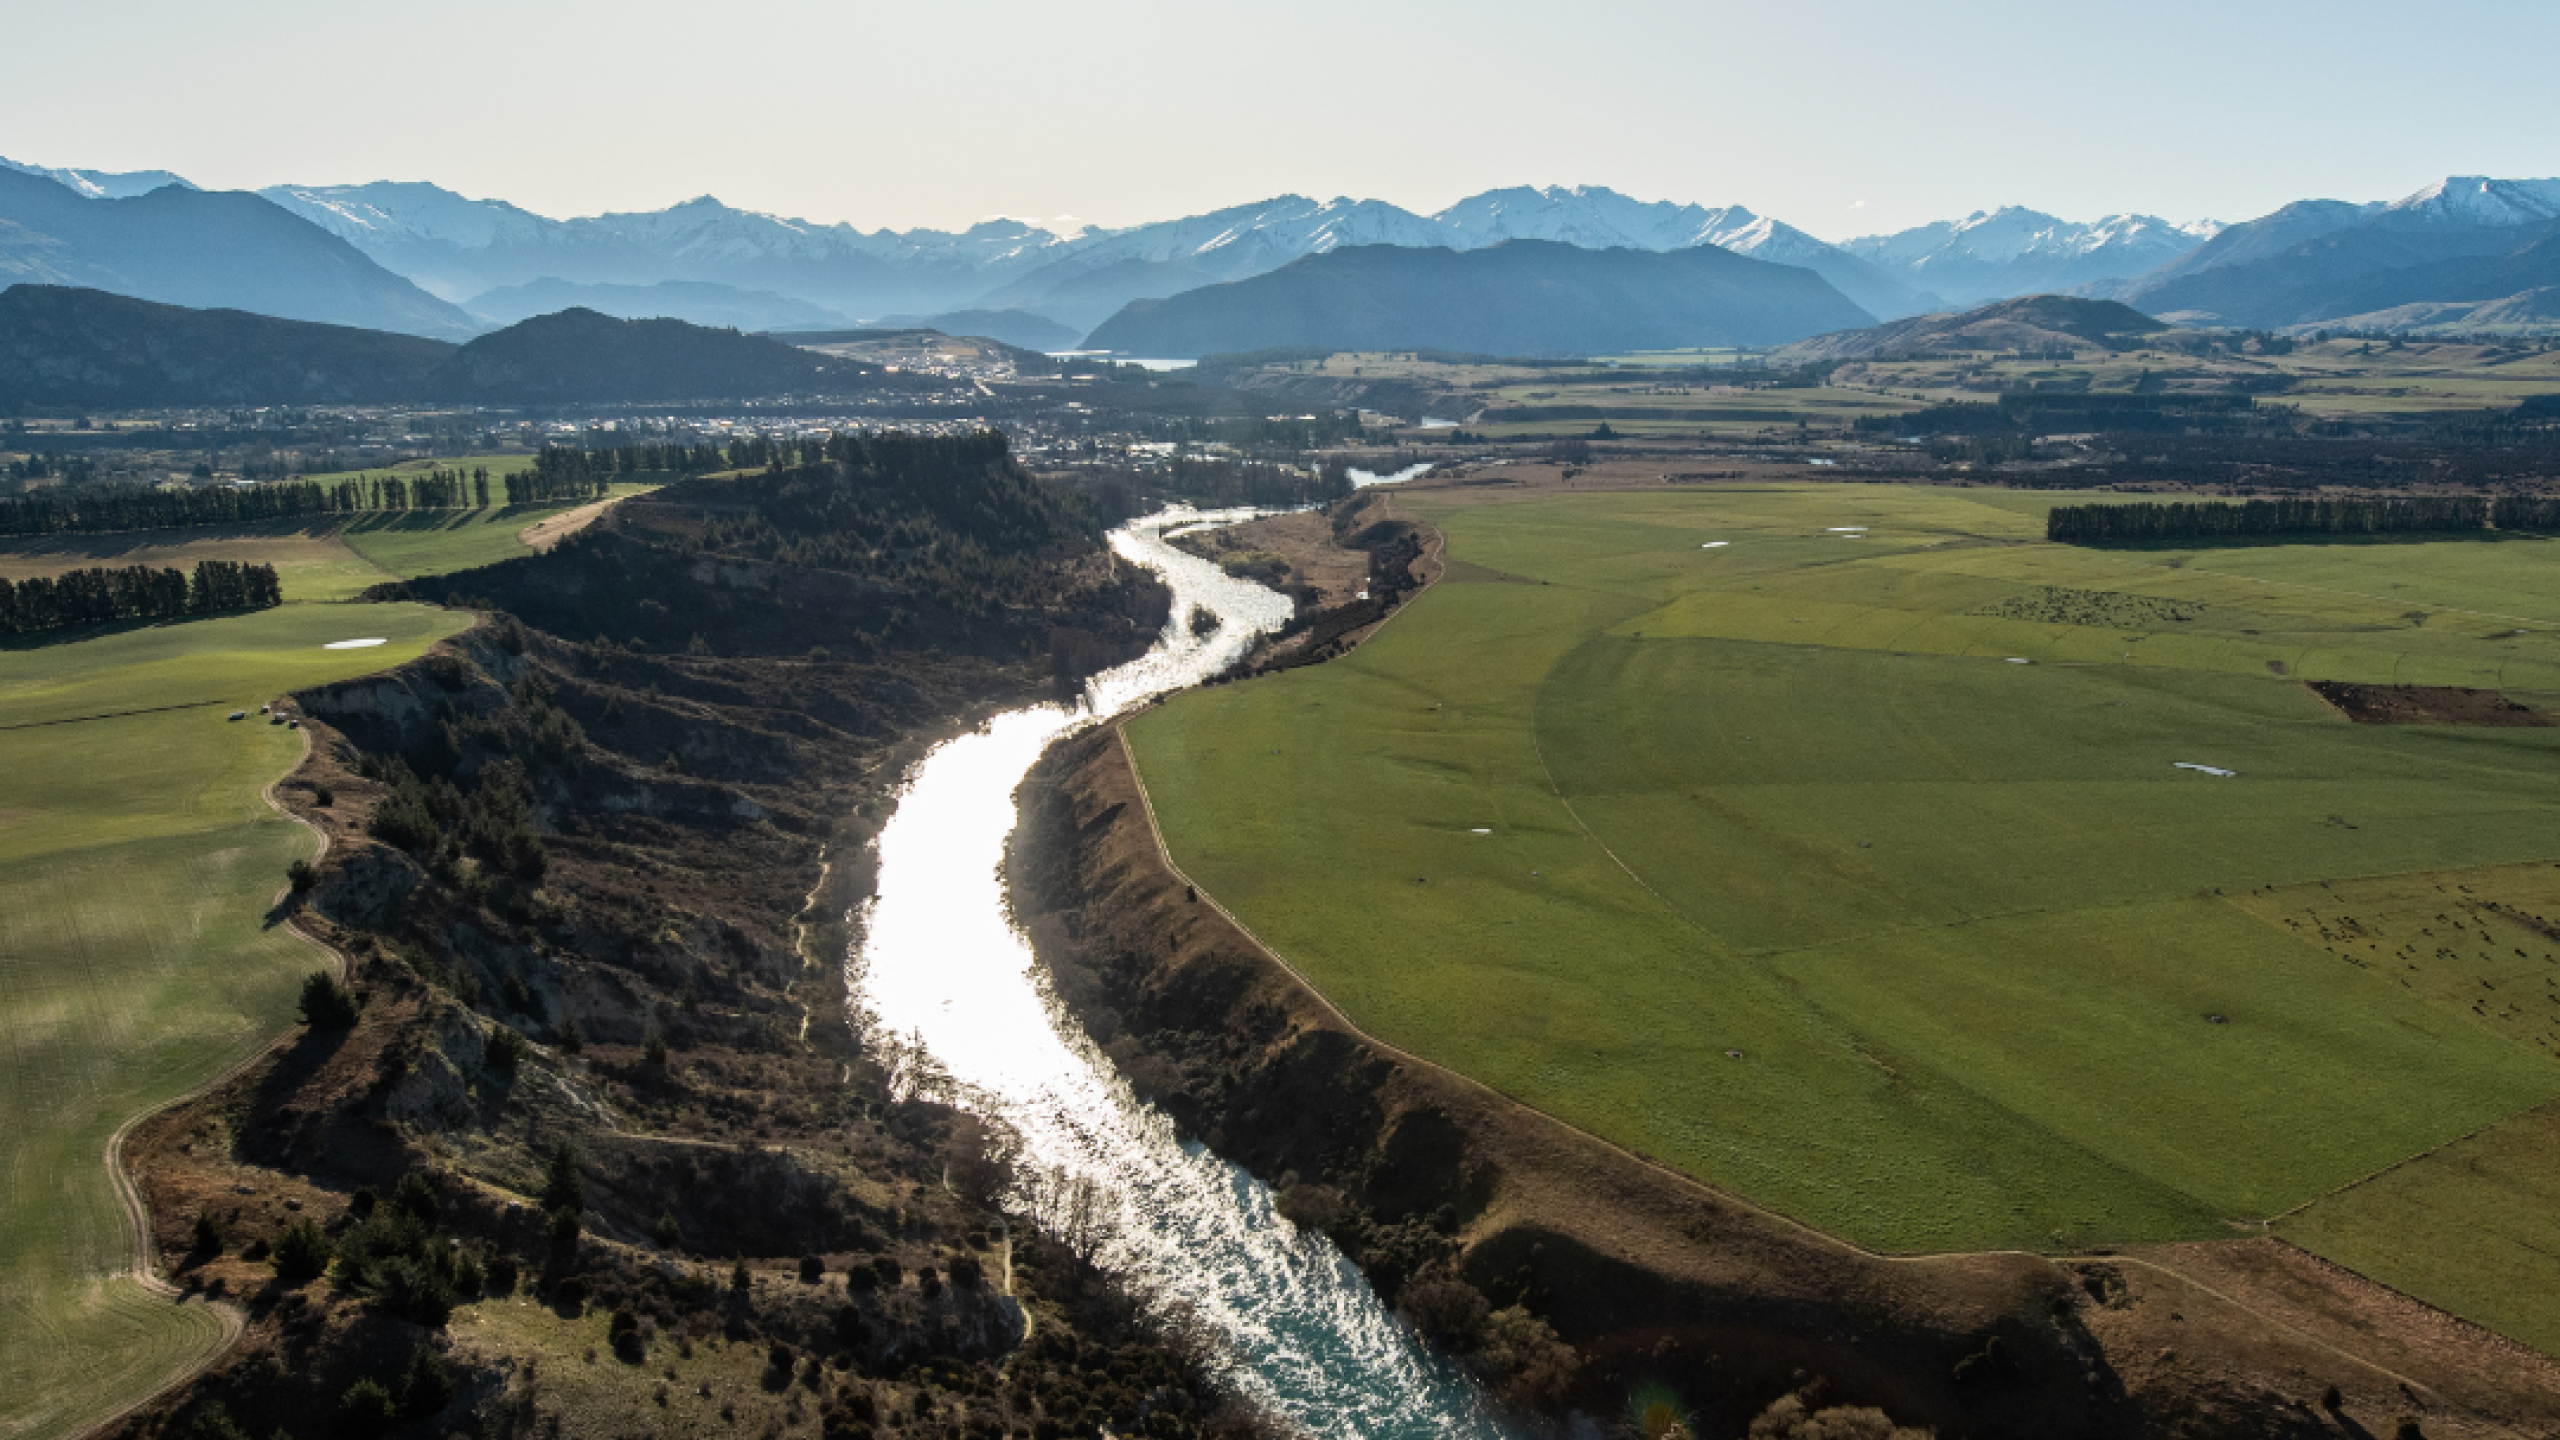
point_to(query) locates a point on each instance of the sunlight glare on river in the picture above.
(942, 967)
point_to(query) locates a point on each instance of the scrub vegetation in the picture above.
(1857, 864)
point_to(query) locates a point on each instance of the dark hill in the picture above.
(581, 357)
(87, 349)
(1523, 297)
(207, 248)
(2030, 322)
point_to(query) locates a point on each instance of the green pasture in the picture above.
(2473, 1228)
(137, 959)
(1789, 878)
(317, 559)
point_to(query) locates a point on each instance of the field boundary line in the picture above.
(111, 715)
(2439, 1147)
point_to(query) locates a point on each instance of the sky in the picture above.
(1843, 117)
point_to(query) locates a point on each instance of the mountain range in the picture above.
(1518, 297)
(205, 248)
(2463, 244)
(1078, 276)
(421, 259)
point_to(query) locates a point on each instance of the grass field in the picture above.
(318, 560)
(1765, 859)
(137, 863)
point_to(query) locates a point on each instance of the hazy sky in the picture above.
(1841, 116)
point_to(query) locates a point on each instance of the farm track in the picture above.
(137, 1212)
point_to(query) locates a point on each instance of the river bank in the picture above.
(586, 1146)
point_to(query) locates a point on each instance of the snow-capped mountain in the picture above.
(2465, 241)
(1996, 254)
(462, 248)
(1597, 218)
(2478, 201)
(103, 184)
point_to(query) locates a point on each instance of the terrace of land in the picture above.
(1761, 858)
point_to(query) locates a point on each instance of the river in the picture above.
(941, 967)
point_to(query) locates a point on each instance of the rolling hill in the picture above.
(219, 249)
(581, 357)
(64, 348)
(1521, 297)
(2031, 323)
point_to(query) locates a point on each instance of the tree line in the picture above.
(558, 475)
(135, 592)
(2254, 519)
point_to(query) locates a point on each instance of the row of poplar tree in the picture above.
(2254, 519)
(135, 592)
(558, 476)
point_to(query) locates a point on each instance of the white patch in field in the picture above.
(1480, 830)
(2020, 660)
(1715, 545)
(1846, 530)
(2205, 769)
(365, 644)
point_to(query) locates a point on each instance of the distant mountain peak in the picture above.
(103, 184)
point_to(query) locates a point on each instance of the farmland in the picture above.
(137, 863)
(321, 559)
(1851, 864)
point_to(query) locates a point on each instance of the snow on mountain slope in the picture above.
(2477, 200)
(391, 211)
(103, 184)
(1995, 254)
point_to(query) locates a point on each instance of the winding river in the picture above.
(942, 969)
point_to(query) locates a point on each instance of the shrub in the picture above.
(565, 1228)
(812, 1269)
(300, 1254)
(739, 1278)
(415, 1197)
(209, 1239)
(667, 1234)
(366, 1408)
(967, 1272)
(326, 1004)
(507, 1049)
(299, 875)
(1447, 1309)
(428, 1386)
(654, 1050)
(563, 1187)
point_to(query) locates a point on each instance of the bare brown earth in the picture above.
(2429, 705)
(1425, 1177)
(541, 535)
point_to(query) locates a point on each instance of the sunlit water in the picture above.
(943, 969)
